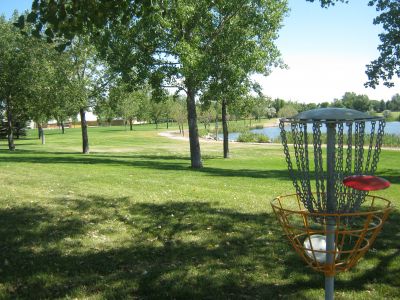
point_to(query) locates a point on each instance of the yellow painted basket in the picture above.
(354, 232)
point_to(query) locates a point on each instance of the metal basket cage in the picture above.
(354, 232)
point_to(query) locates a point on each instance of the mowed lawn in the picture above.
(131, 220)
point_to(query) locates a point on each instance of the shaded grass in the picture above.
(131, 220)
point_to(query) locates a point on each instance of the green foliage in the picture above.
(104, 111)
(174, 44)
(251, 137)
(391, 140)
(28, 81)
(207, 115)
(19, 129)
(357, 102)
(394, 103)
(287, 111)
(203, 132)
(387, 114)
(387, 65)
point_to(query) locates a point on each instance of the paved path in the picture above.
(177, 136)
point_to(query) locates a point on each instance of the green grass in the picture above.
(131, 220)
(394, 116)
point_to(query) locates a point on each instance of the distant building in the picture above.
(91, 120)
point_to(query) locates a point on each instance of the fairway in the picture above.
(131, 220)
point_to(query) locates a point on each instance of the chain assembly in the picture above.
(355, 153)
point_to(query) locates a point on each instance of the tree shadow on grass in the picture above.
(113, 249)
(165, 162)
(393, 175)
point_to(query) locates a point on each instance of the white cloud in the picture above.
(318, 78)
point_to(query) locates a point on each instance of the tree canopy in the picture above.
(168, 43)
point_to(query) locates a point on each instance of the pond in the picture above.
(274, 132)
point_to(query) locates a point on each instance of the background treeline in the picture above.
(38, 83)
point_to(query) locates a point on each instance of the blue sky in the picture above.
(326, 51)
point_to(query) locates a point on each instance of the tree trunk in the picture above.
(62, 127)
(195, 153)
(225, 129)
(216, 125)
(39, 128)
(10, 135)
(131, 124)
(85, 138)
(42, 135)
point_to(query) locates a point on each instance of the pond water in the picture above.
(274, 132)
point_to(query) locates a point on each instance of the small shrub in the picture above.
(237, 127)
(19, 129)
(260, 126)
(262, 138)
(251, 137)
(203, 132)
(391, 140)
(387, 114)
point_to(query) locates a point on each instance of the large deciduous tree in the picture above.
(244, 46)
(218, 44)
(65, 102)
(357, 102)
(12, 80)
(26, 78)
(125, 103)
(89, 79)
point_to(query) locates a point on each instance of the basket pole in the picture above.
(331, 208)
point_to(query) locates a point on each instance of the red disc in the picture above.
(366, 182)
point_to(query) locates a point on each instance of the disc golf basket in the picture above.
(331, 220)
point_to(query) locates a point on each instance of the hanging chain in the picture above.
(357, 167)
(359, 196)
(339, 168)
(371, 145)
(288, 160)
(378, 145)
(319, 172)
(299, 138)
(306, 177)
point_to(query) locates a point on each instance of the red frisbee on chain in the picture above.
(366, 182)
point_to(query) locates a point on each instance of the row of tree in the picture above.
(203, 48)
(350, 100)
(138, 105)
(363, 103)
(39, 83)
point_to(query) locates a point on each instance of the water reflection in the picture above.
(274, 132)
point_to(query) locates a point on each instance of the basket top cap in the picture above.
(332, 114)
